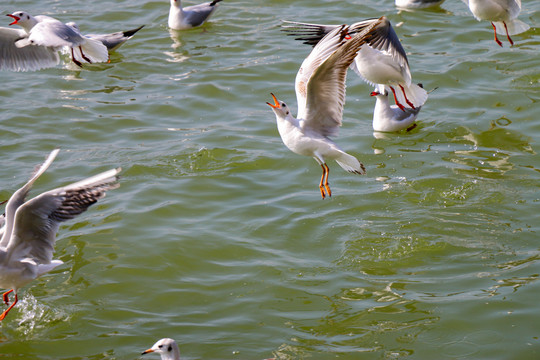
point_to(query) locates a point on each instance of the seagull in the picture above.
(502, 14)
(417, 4)
(191, 16)
(113, 40)
(28, 58)
(383, 63)
(167, 348)
(320, 93)
(51, 33)
(389, 118)
(29, 227)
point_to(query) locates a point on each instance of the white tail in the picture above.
(514, 27)
(351, 164)
(92, 50)
(415, 94)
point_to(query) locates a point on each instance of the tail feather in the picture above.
(351, 164)
(213, 3)
(415, 94)
(92, 51)
(514, 27)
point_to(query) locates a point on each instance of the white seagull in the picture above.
(30, 227)
(417, 4)
(46, 31)
(502, 14)
(113, 40)
(27, 58)
(167, 348)
(191, 16)
(383, 63)
(389, 118)
(320, 93)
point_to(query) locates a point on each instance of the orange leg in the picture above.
(396, 100)
(507, 34)
(9, 308)
(321, 184)
(495, 33)
(5, 297)
(405, 95)
(326, 186)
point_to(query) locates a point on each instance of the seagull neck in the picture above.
(382, 110)
(28, 24)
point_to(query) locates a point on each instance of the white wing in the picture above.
(53, 33)
(38, 220)
(18, 198)
(325, 95)
(28, 58)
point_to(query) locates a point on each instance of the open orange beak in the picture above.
(276, 105)
(16, 18)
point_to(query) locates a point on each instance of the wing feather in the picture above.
(326, 86)
(38, 220)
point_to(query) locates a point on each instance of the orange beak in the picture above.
(147, 351)
(276, 105)
(16, 18)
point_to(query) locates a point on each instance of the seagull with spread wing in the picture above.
(320, 93)
(29, 227)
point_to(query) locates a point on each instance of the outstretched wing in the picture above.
(325, 89)
(18, 198)
(38, 220)
(28, 58)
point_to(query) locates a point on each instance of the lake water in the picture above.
(218, 236)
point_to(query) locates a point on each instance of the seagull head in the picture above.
(280, 108)
(23, 19)
(376, 93)
(167, 348)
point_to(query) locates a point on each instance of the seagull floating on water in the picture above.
(191, 16)
(417, 4)
(389, 118)
(502, 14)
(29, 227)
(167, 348)
(45, 31)
(383, 63)
(113, 40)
(320, 93)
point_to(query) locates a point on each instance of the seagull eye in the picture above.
(170, 348)
(160, 346)
(283, 105)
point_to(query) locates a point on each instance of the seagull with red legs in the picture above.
(45, 31)
(382, 63)
(29, 227)
(502, 14)
(320, 93)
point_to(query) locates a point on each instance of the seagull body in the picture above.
(320, 93)
(113, 40)
(383, 63)
(48, 32)
(167, 348)
(502, 14)
(417, 4)
(191, 16)
(390, 118)
(29, 227)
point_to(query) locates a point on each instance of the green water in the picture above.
(218, 236)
